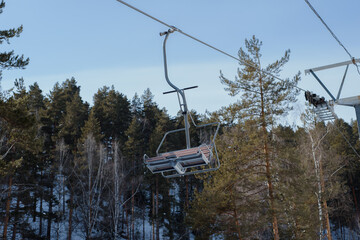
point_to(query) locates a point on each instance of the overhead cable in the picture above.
(333, 35)
(347, 140)
(206, 44)
(245, 63)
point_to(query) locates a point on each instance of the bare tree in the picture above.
(118, 179)
(328, 167)
(62, 156)
(89, 171)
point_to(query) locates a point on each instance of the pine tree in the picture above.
(328, 169)
(9, 60)
(91, 127)
(64, 116)
(151, 114)
(112, 109)
(295, 185)
(343, 204)
(138, 141)
(231, 201)
(23, 145)
(14, 119)
(263, 99)
(74, 119)
(136, 106)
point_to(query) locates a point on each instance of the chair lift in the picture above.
(191, 160)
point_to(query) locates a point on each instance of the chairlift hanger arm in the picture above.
(167, 34)
(178, 90)
(182, 101)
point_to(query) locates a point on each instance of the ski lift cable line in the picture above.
(333, 34)
(245, 63)
(206, 44)
(347, 140)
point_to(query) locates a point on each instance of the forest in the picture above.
(70, 169)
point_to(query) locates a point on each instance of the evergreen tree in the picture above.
(345, 203)
(73, 120)
(9, 60)
(232, 199)
(263, 99)
(328, 169)
(91, 127)
(64, 116)
(295, 185)
(136, 106)
(112, 109)
(23, 144)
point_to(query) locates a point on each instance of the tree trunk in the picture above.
(157, 209)
(16, 218)
(297, 230)
(153, 216)
(237, 223)
(41, 214)
(50, 215)
(63, 194)
(321, 188)
(7, 213)
(144, 212)
(128, 225)
(41, 206)
(268, 166)
(70, 214)
(132, 211)
(133, 201)
(34, 206)
(326, 213)
(89, 227)
(123, 217)
(354, 195)
(59, 208)
(187, 192)
(116, 193)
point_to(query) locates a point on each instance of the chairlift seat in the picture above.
(179, 160)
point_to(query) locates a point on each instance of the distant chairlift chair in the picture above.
(192, 160)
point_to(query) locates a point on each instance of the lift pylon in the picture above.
(349, 101)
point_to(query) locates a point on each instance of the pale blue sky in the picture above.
(105, 43)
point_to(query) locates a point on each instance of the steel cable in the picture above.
(208, 45)
(245, 63)
(333, 34)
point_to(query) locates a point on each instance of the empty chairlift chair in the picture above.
(190, 160)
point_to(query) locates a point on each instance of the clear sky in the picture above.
(106, 43)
